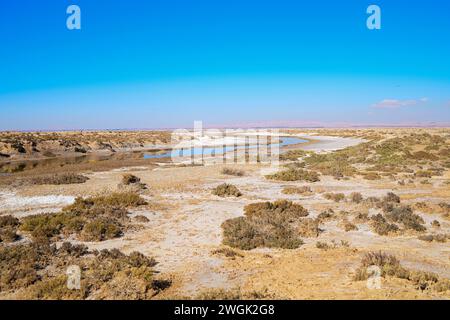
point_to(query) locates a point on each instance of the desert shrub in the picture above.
(128, 179)
(232, 172)
(325, 215)
(356, 197)
(292, 155)
(361, 217)
(243, 233)
(381, 226)
(226, 190)
(294, 175)
(227, 252)
(141, 218)
(322, 245)
(304, 190)
(274, 211)
(101, 229)
(423, 155)
(388, 264)
(116, 199)
(40, 270)
(348, 226)
(92, 219)
(336, 197)
(265, 224)
(295, 165)
(131, 183)
(59, 179)
(308, 228)
(8, 228)
(391, 197)
(407, 218)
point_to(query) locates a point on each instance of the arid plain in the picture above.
(146, 228)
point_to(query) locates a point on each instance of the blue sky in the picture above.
(166, 63)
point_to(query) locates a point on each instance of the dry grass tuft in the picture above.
(226, 190)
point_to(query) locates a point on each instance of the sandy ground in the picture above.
(185, 221)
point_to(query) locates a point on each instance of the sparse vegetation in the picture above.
(40, 270)
(265, 224)
(59, 179)
(304, 190)
(390, 267)
(232, 172)
(294, 175)
(8, 228)
(226, 190)
(336, 197)
(92, 219)
(356, 197)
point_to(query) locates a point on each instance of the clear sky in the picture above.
(166, 63)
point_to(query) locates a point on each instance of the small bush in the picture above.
(381, 226)
(292, 155)
(391, 197)
(101, 229)
(336, 197)
(309, 228)
(294, 175)
(141, 218)
(274, 211)
(405, 216)
(389, 265)
(226, 190)
(304, 190)
(116, 199)
(265, 224)
(60, 179)
(232, 172)
(128, 179)
(322, 245)
(348, 226)
(325, 215)
(356, 197)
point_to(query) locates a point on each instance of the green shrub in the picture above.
(294, 175)
(292, 155)
(226, 190)
(101, 229)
